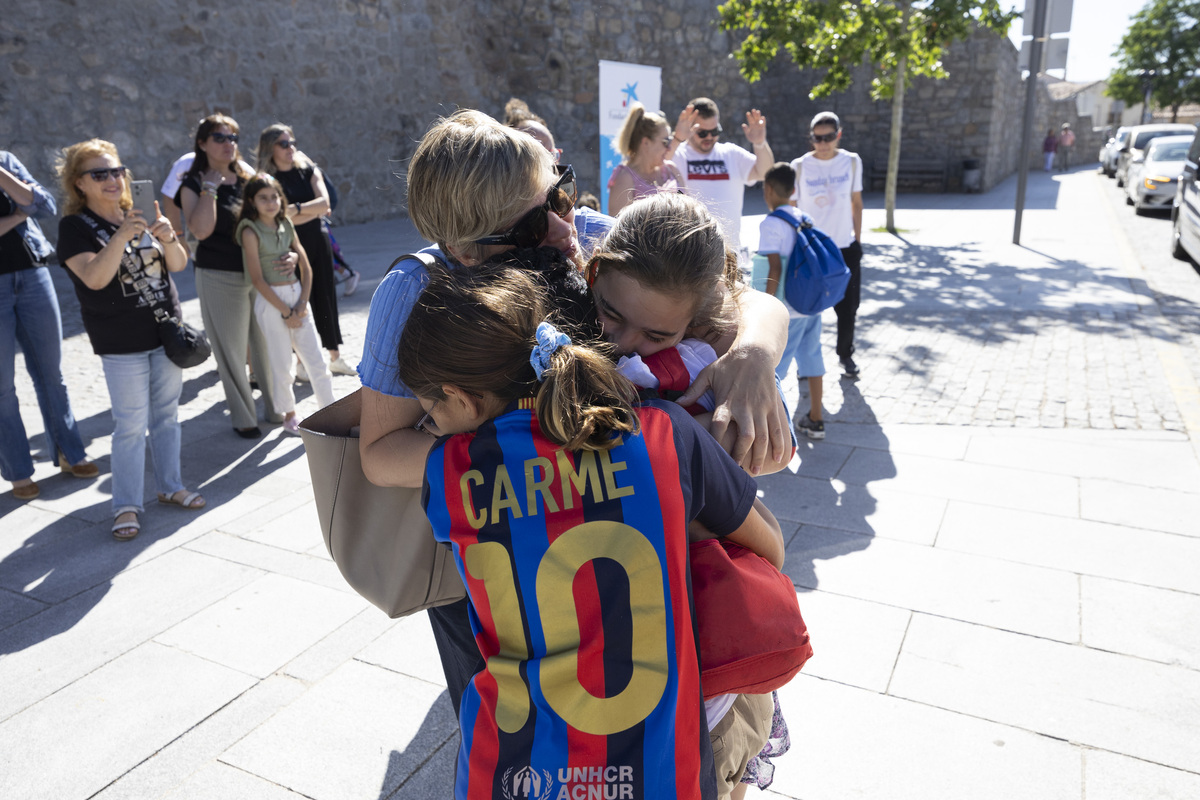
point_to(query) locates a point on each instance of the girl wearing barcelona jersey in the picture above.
(567, 509)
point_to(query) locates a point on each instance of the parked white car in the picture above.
(1153, 177)
(1111, 149)
(1139, 137)
(1185, 214)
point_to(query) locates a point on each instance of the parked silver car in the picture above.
(1139, 137)
(1185, 213)
(1111, 149)
(1152, 178)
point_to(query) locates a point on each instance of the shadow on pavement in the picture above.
(69, 565)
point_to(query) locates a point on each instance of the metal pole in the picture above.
(1035, 66)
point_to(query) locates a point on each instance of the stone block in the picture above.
(848, 742)
(1140, 507)
(78, 741)
(360, 732)
(1109, 776)
(60, 645)
(986, 591)
(1157, 624)
(408, 648)
(263, 625)
(1113, 702)
(864, 658)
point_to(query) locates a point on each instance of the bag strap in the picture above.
(426, 258)
(142, 284)
(805, 222)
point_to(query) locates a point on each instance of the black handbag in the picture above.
(184, 344)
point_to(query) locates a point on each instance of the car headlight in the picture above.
(1154, 181)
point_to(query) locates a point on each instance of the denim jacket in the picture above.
(43, 206)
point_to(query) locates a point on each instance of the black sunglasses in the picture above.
(531, 229)
(823, 137)
(285, 143)
(101, 175)
(714, 132)
(222, 138)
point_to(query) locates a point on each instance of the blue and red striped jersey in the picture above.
(576, 566)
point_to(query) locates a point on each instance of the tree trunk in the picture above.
(889, 188)
(1175, 113)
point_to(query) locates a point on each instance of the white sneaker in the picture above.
(351, 284)
(339, 367)
(301, 372)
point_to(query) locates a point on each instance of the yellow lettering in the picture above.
(588, 475)
(489, 562)
(504, 496)
(610, 469)
(475, 520)
(559, 675)
(533, 485)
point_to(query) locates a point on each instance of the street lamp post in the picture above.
(1147, 84)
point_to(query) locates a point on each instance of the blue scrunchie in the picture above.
(549, 339)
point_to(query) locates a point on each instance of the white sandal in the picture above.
(187, 502)
(119, 526)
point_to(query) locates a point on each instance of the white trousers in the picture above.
(281, 340)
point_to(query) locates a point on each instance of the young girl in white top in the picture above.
(281, 306)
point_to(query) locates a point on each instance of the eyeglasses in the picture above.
(426, 424)
(531, 229)
(222, 138)
(823, 137)
(286, 144)
(713, 132)
(101, 175)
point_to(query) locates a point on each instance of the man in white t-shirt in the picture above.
(718, 173)
(829, 189)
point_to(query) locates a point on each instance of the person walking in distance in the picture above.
(1066, 140)
(717, 172)
(829, 189)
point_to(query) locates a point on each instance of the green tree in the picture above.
(898, 38)
(1162, 49)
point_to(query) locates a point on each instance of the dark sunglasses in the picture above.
(286, 143)
(101, 175)
(713, 132)
(531, 229)
(823, 137)
(222, 138)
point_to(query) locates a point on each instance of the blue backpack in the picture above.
(816, 276)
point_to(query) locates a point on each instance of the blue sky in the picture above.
(1096, 29)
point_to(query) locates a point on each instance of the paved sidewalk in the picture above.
(996, 551)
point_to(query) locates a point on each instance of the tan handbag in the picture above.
(379, 537)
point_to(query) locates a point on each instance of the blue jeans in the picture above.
(29, 316)
(144, 391)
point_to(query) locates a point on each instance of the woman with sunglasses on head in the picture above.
(308, 201)
(120, 264)
(210, 196)
(644, 142)
(29, 316)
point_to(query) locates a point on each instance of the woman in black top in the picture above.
(120, 264)
(209, 197)
(308, 201)
(29, 316)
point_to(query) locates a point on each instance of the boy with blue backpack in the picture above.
(777, 238)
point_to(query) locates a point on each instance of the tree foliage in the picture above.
(839, 35)
(899, 39)
(1164, 38)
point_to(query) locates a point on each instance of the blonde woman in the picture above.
(645, 142)
(120, 276)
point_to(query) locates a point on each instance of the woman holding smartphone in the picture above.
(210, 196)
(120, 276)
(29, 316)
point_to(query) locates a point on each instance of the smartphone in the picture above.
(143, 200)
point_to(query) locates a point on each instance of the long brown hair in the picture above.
(475, 327)
(672, 244)
(207, 126)
(70, 170)
(639, 124)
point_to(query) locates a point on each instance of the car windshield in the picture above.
(1169, 151)
(1145, 137)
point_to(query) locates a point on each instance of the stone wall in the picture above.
(361, 80)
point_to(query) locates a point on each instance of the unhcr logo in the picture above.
(527, 784)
